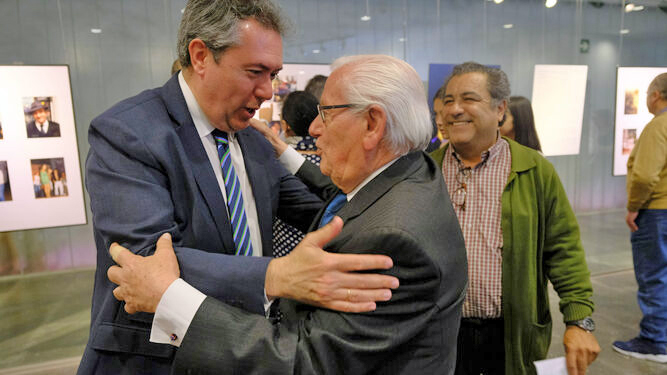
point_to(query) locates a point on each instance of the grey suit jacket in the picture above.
(404, 213)
(147, 173)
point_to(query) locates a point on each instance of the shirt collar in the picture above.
(487, 155)
(368, 179)
(203, 126)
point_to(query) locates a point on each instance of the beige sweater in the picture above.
(647, 167)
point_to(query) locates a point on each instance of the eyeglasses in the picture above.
(462, 177)
(322, 108)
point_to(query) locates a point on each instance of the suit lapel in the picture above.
(201, 166)
(377, 187)
(374, 190)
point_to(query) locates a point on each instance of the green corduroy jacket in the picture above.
(540, 243)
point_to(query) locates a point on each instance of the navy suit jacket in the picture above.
(147, 173)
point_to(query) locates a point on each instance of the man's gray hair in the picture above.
(659, 84)
(397, 88)
(215, 22)
(496, 80)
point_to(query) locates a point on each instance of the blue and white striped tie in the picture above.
(234, 197)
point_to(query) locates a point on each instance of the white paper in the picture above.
(552, 366)
(559, 93)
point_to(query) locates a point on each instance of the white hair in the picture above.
(397, 88)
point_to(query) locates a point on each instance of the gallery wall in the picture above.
(118, 48)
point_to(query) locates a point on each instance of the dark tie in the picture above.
(333, 207)
(234, 197)
(41, 128)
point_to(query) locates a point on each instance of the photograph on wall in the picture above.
(41, 149)
(5, 187)
(292, 77)
(631, 101)
(39, 117)
(629, 139)
(631, 113)
(49, 177)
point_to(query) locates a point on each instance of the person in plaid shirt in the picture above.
(520, 232)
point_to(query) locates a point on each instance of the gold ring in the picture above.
(349, 293)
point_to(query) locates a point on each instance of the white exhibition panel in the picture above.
(631, 112)
(559, 93)
(25, 210)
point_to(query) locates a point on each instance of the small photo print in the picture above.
(39, 121)
(2, 136)
(49, 178)
(631, 101)
(5, 187)
(629, 138)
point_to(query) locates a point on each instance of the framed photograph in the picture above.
(38, 118)
(39, 155)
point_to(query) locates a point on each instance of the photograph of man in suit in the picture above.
(180, 159)
(372, 126)
(40, 126)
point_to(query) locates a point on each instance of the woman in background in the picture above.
(299, 110)
(519, 123)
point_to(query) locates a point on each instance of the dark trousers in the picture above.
(481, 347)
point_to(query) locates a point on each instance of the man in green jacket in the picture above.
(519, 231)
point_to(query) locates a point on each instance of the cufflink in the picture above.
(173, 337)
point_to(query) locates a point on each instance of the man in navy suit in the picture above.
(154, 167)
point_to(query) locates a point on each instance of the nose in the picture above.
(316, 127)
(264, 90)
(454, 108)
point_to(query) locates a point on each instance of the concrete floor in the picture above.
(44, 318)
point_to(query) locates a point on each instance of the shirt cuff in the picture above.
(175, 312)
(267, 305)
(291, 160)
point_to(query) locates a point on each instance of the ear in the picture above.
(502, 107)
(198, 55)
(376, 122)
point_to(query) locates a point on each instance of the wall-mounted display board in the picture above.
(293, 77)
(559, 94)
(40, 175)
(631, 112)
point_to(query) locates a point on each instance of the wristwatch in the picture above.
(587, 324)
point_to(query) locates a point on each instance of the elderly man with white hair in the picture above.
(372, 126)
